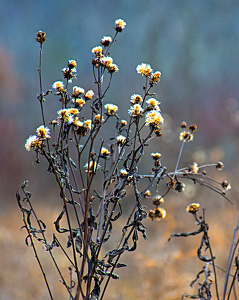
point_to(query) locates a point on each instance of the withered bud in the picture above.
(179, 187)
(123, 123)
(157, 214)
(41, 37)
(226, 185)
(130, 178)
(193, 128)
(219, 166)
(171, 184)
(157, 200)
(92, 154)
(95, 62)
(54, 122)
(147, 194)
(183, 125)
(157, 132)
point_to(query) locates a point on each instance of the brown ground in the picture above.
(158, 269)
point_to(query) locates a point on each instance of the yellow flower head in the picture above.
(193, 208)
(78, 123)
(157, 214)
(136, 110)
(32, 142)
(106, 61)
(77, 91)
(111, 109)
(83, 127)
(123, 173)
(154, 119)
(123, 123)
(155, 77)
(144, 69)
(130, 179)
(193, 127)
(156, 155)
(119, 25)
(72, 64)
(92, 167)
(79, 102)
(186, 136)
(97, 51)
(147, 193)
(73, 111)
(59, 86)
(120, 139)
(98, 119)
(106, 40)
(104, 152)
(160, 213)
(194, 168)
(63, 114)
(68, 74)
(153, 104)
(87, 124)
(113, 68)
(43, 132)
(89, 95)
(135, 99)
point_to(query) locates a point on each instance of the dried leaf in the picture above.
(57, 223)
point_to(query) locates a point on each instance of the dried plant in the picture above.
(94, 175)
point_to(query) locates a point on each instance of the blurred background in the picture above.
(195, 46)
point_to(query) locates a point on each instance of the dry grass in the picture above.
(157, 270)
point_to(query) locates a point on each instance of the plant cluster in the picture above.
(95, 174)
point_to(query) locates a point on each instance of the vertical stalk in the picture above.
(179, 157)
(41, 90)
(37, 257)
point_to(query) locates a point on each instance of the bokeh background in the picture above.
(195, 45)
